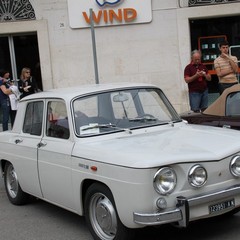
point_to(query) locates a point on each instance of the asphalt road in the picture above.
(39, 220)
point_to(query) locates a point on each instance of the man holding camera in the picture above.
(195, 75)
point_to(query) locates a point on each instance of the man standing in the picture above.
(195, 75)
(226, 67)
(4, 99)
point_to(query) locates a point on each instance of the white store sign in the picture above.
(109, 12)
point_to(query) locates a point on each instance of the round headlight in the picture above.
(165, 180)
(197, 176)
(235, 166)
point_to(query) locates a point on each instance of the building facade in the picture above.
(136, 41)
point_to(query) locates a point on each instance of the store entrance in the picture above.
(206, 34)
(19, 51)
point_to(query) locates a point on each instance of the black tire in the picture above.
(101, 215)
(14, 192)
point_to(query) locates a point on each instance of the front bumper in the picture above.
(183, 207)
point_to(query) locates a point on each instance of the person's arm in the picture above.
(234, 64)
(189, 79)
(207, 76)
(232, 61)
(187, 75)
(5, 90)
(20, 86)
(223, 72)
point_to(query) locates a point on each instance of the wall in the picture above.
(130, 53)
(155, 52)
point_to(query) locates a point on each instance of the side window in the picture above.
(33, 118)
(233, 104)
(57, 120)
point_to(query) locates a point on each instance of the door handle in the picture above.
(41, 144)
(19, 140)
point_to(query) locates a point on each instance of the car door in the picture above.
(54, 156)
(25, 146)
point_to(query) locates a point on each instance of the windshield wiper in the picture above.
(112, 126)
(143, 119)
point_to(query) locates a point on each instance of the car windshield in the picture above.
(122, 110)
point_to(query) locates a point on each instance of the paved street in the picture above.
(42, 221)
(39, 221)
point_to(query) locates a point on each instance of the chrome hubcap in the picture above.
(103, 217)
(12, 182)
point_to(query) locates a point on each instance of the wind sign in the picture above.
(109, 12)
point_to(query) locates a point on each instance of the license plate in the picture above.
(221, 206)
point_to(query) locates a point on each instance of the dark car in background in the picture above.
(224, 112)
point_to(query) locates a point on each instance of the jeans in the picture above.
(5, 105)
(198, 100)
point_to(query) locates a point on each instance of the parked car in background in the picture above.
(224, 112)
(121, 156)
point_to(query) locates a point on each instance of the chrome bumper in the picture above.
(181, 213)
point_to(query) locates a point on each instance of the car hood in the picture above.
(165, 145)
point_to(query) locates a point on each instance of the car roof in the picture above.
(218, 107)
(70, 92)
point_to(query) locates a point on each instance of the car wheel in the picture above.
(14, 192)
(101, 215)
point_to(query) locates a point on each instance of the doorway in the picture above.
(19, 51)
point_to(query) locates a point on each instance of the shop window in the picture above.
(209, 47)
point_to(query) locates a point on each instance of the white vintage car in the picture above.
(120, 155)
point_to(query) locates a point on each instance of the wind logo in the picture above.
(101, 3)
(83, 13)
(112, 15)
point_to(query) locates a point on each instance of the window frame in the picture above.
(30, 125)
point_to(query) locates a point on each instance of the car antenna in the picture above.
(94, 47)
